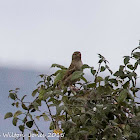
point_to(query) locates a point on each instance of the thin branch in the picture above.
(50, 113)
(39, 130)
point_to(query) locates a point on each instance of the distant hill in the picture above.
(10, 78)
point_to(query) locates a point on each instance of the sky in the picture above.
(34, 34)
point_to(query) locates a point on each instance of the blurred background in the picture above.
(34, 34)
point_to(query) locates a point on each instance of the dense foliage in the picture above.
(102, 109)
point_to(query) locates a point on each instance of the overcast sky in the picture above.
(36, 33)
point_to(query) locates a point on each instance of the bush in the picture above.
(102, 109)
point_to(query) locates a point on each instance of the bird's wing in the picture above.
(70, 70)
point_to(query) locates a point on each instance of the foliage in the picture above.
(102, 109)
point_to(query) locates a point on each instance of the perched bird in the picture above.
(76, 65)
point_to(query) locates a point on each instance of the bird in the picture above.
(76, 65)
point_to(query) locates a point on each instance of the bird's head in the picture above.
(76, 56)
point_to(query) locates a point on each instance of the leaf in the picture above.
(24, 120)
(42, 91)
(112, 80)
(58, 66)
(35, 131)
(102, 69)
(85, 66)
(52, 126)
(119, 73)
(46, 118)
(130, 67)
(121, 68)
(126, 59)
(126, 85)
(35, 105)
(136, 55)
(13, 104)
(38, 117)
(92, 85)
(59, 76)
(41, 75)
(15, 119)
(8, 115)
(17, 88)
(84, 79)
(138, 62)
(76, 75)
(21, 128)
(17, 104)
(59, 109)
(24, 107)
(109, 69)
(17, 113)
(23, 97)
(93, 71)
(135, 65)
(47, 95)
(99, 79)
(12, 96)
(122, 96)
(29, 124)
(34, 92)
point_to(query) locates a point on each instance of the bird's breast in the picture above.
(79, 64)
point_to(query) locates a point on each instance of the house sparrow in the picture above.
(76, 65)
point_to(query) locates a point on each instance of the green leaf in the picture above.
(136, 55)
(102, 68)
(121, 68)
(29, 124)
(85, 66)
(21, 128)
(42, 91)
(112, 80)
(12, 96)
(59, 76)
(38, 117)
(122, 95)
(119, 73)
(34, 92)
(35, 105)
(138, 62)
(17, 113)
(24, 107)
(76, 75)
(23, 97)
(15, 119)
(126, 85)
(58, 66)
(93, 71)
(17, 104)
(135, 65)
(8, 115)
(108, 69)
(46, 118)
(130, 67)
(84, 79)
(47, 95)
(41, 75)
(35, 131)
(59, 109)
(24, 120)
(92, 85)
(126, 59)
(52, 126)
(99, 79)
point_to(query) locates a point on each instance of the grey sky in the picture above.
(35, 33)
